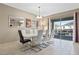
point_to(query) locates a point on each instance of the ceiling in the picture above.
(46, 8)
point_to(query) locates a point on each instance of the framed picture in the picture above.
(28, 23)
(15, 21)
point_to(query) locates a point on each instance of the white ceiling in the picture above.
(46, 8)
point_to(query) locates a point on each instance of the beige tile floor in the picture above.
(59, 47)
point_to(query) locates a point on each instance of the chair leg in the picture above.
(30, 46)
(37, 49)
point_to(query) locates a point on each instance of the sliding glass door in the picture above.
(57, 29)
(67, 30)
(63, 28)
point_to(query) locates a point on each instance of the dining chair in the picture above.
(22, 39)
(47, 39)
(42, 39)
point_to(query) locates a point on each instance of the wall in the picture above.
(8, 34)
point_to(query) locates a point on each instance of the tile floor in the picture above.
(58, 47)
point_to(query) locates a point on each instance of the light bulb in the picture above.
(39, 17)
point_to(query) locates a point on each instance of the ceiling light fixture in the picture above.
(39, 17)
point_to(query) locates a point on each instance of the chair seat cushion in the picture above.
(25, 41)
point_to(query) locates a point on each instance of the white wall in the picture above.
(8, 34)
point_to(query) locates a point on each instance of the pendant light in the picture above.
(39, 17)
